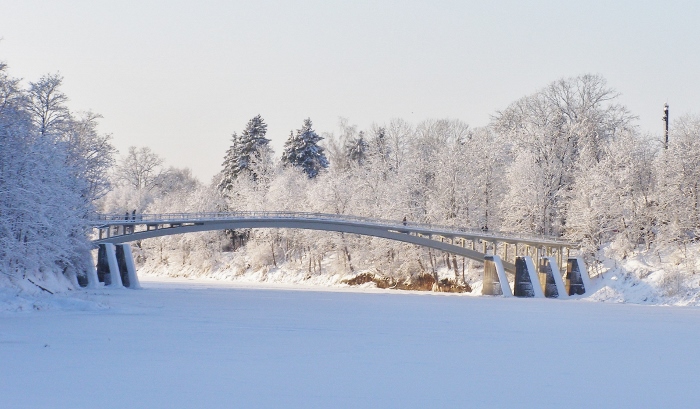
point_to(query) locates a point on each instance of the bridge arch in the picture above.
(298, 224)
(141, 227)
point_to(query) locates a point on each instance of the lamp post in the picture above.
(665, 119)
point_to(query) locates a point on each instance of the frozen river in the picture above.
(204, 344)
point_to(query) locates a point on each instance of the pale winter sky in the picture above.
(181, 76)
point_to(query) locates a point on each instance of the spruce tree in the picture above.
(302, 150)
(245, 149)
(380, 146)
(228, 175)
(252, 143)
(356, 149)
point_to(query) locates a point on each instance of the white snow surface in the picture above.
(23, 295)
(185, 343)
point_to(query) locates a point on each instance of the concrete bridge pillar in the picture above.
(129, 265)
(92, 279)
(121, 263)
(102, 265)
(527, 282)
(552, 282)
(577, 279)
(495, 278)
(115, 279)
(115, 266)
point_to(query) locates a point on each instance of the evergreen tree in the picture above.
(302, 150)
(228, 175)
(245, 151)
(379, 152)
(251, 144)
(379, 142)
(356, 149)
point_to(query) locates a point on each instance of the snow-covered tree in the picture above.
(483, 161)
(141, 169)
(553, 134)
(141, 178)
(230, 166)
(47, 103)
(614, 200)
(46, 191)
(91, 154)
(679, 181)
(247, 149)
(302, 150)
(378, 149)
(356, 149)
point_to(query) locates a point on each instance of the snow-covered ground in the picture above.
(214, 344)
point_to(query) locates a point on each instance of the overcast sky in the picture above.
(181, 76)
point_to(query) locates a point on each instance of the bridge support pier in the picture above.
(495, 278)
(129, 265)
(92, 279)
(527, 282)
(552, 282)
(577, 278)
(115, 266)
(102, 265)
(115, 279)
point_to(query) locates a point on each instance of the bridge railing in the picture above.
(167, 218)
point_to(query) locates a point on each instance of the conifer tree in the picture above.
(302, 150)
(356, 149)
(228, 175)
(245, 150)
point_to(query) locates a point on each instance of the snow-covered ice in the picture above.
(210, 344)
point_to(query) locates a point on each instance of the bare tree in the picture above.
(91, 154)
(47, 104)
(141, 169)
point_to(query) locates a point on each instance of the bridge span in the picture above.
(470, 243)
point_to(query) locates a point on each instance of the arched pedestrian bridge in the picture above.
(471, 243)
